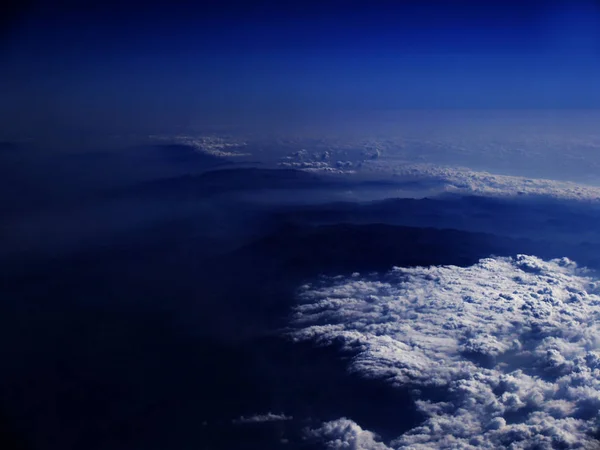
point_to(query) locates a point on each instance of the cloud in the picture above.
(211, 145)
(512, 345)
(261, 418)
(446, 162)
(319, 166)
(346, 434)
(320, 161)
(466, 181)
(494, 158)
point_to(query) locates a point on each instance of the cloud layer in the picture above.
(518, 163)
(510, 346)
(454, 179)
(212, 145)
(466, 181)
(262, 418)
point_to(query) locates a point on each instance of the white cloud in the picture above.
(318, 166)
(347, 435)
(466, 181)
(392, 158)
(446, 158)
(513, 343)
(316, 162)
(209, 144)
(261, 418)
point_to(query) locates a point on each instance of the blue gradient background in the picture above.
(104, 67)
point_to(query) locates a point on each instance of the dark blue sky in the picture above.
(119, 66)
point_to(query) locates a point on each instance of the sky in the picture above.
(119, 67)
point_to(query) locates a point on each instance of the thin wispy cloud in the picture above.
(261, 418)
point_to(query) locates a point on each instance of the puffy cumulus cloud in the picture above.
(261, 418)
(513, 345)
(347, 435)
(322, 161)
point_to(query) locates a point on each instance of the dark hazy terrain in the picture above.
(149, 311)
